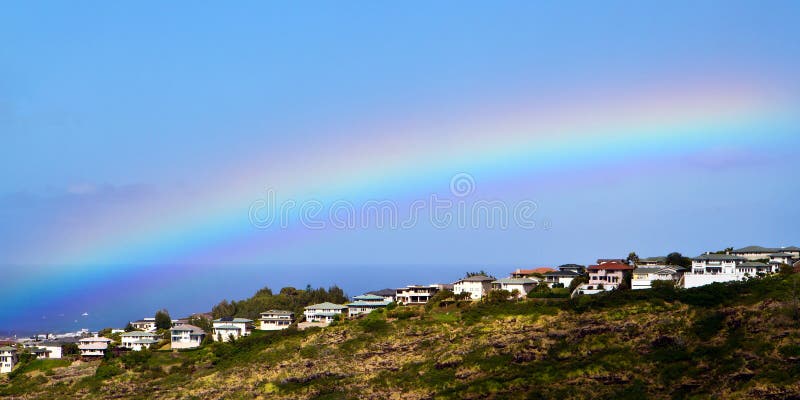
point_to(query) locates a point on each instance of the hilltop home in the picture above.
(776, 259)
(46, 349)
(608, 273)
(477, 286)
(323, 312)
(275, 320)
(709, 268)
(229, 327)
(186, 336)
(578, 269)
(138, 340)
(522, 285)
(563, 277)
(418, 294)
(643, 276)
(8, 358)
(93, 346)
(753, 268)
(144, 324)
(365, 304)
(754, 253)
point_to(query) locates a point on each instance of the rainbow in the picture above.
(398, 160)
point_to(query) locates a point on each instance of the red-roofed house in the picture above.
(524, 273)
(608, 274)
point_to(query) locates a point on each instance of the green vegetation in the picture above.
(289, 298)
(163, 320)
(738, 340)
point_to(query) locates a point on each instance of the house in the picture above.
(522, 285)
(755, 253)
(578, 269)
(8, 358)
(611, 261)
(753, 268)
(229, 327)
(144, 324)
(186, 336)
(324, 312)
(419, 294)
(562, 278)
(643, 276)
(476, 285)
(138, 340)
(607, 275)
(275, 320)
(709, 268)
(387, 294)
(366, 304)
(652, 261)
(776, 259)
(95, 346)
(45, 349)
(526, 273)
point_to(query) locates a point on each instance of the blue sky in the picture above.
(107, 108)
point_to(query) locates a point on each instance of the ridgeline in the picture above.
(737, 340)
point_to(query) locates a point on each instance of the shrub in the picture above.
(107, 370)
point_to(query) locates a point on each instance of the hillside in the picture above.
(738, 340)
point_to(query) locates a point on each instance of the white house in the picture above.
(186, 336)
(652, 261)
(477, 286)
(95, 346)
(323, 312)
(643, 277)
(229, 327)
(606, 275)
(144, 324)
(46, 349)
(563, 277)
(387, 294)
(776, 259)
(709, 268)
(418, 294)
(138, 340)
(274, 320)
(365, 304)
(8, 358)
(522, 285)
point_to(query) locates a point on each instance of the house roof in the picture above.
(225, 327)
(539, 270)
(93, 346)
(187, 327)
(326, 306)
(516, 281)
(384, 292)
(718, 257)
(653, 259)
(757, 249)
(277, 312)
(475, 278)
(611, 260)
(233, 320)
(753, 264)
(138, 334)
(610, 266)
(790, 248)
(8, 348)
(369, 304)
(368, 297)
(95, 339)
(780, 255)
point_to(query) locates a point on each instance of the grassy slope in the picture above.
(724, 341)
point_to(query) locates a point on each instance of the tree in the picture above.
(497, 296)
(676, 258)
(633, 258)
(577, 281)
(163, 320)
(201, 322)
(481, 272)
(129, 327)
(462, 296)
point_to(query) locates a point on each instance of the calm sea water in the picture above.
(183, 290)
